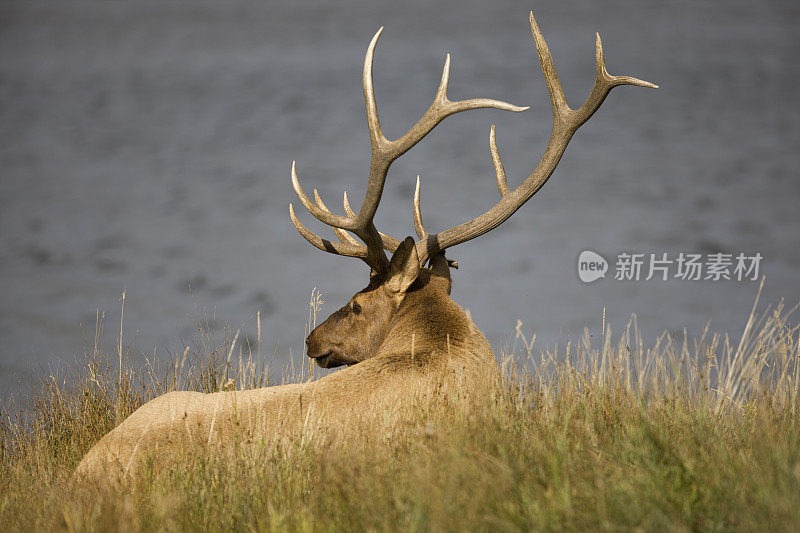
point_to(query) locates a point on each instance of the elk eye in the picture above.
(356, 308)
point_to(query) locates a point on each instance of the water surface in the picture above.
(146, 147)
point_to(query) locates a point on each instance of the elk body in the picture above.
(410, 341)
(402, 338)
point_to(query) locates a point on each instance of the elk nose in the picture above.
(310, 344)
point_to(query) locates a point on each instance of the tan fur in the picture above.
(449, 354)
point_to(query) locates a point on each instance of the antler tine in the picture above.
(340, 233)
(565, 122)
(418, 226)
(603, 84)
(325, 245)
(372, 254)
(375, 132)
(500, 172)
(346, 205)
(323, 216)
(441, 108)
(615, 80)
(422, 233)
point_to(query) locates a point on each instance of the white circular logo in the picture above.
(591, 266)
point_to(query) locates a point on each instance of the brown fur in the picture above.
(409, 343)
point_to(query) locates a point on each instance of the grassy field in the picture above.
(605, 433)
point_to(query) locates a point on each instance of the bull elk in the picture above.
(402, 338)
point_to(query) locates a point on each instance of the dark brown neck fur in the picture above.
(429, 317)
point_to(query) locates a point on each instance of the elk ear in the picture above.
(403, 268)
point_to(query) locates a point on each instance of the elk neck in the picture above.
(430, 320)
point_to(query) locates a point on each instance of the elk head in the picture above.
(358, 330)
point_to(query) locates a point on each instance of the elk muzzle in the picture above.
(325, 355)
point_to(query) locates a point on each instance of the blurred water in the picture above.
(146, 146)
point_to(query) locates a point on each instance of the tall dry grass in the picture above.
(684, 434)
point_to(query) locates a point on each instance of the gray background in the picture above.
(146, 146)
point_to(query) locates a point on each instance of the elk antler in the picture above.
(565, 122)
(384, 152)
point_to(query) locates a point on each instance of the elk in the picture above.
(402, 338)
